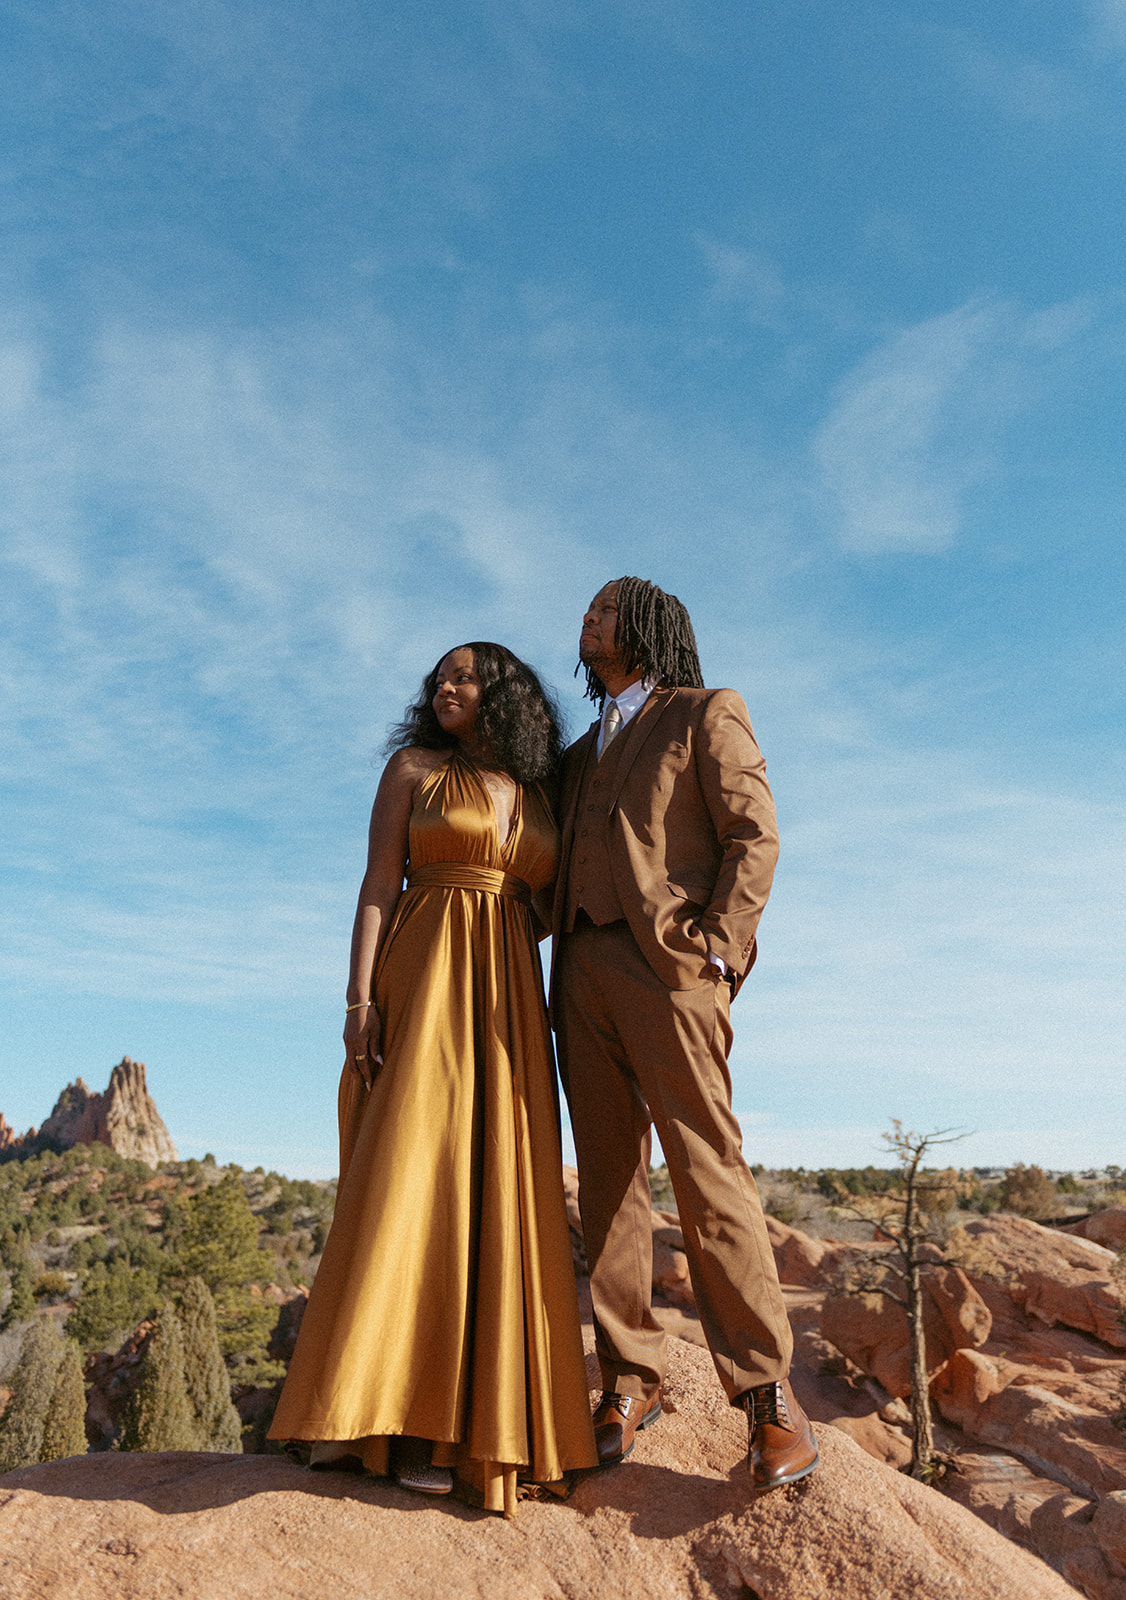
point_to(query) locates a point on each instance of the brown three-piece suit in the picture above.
(668, 851)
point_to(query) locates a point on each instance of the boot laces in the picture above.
(766, 1404)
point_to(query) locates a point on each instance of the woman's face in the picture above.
(457, 695)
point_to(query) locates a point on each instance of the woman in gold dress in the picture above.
(442, 1331)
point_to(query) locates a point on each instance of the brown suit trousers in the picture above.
(635, 1053)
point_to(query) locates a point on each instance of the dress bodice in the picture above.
(454, 819)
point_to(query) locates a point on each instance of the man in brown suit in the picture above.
(668, 850)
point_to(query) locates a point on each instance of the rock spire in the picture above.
(124, 1117)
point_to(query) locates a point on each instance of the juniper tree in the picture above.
(114, 1299)
(33, 1385)
(218, 1423)
(64, 1426)
(219, 1237)
(21, 1303)
(160, 1415)
(215, 1237)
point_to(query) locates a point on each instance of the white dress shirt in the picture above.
(629, 703)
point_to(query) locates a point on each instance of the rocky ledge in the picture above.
(674, 1521)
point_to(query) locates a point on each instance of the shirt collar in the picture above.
(632, 699)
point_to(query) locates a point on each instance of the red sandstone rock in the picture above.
(110, 1383)
(670, 1264)
(982, 1341)
(1064, 1533)
(1109, 1528)
(1000, 1490)
(1065, 1440)
(8, 1136)
(674, 1522)
(1059, 1278)
(872, 1330)
(798, 1257)
(124, 1117)
(1107, 1228)
(964, 1384)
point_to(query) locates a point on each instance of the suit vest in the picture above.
(590, 882)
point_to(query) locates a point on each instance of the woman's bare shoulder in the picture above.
(409, 766)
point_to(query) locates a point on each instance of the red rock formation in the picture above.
(124, 1117)
(799, 1259)
(1058, 1278)
(872, 1330)
(1028, 1407)
(110, 1383)
(9, 1139)
(1084, 1542)
(1107, 1228)
(670, 1264)
(963, 1385)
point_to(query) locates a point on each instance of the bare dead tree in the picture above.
(898, 1273)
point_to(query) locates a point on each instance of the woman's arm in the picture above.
(388, 836)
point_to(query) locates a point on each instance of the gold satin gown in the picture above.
(444, 1306)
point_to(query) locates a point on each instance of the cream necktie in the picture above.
(611, 728)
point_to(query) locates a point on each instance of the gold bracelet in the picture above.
(357, 1006)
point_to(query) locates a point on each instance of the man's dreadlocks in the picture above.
(654, 632)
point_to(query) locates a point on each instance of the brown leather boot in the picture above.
(616, 1421)
(781, 1447)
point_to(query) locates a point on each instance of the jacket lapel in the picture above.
(637, 734)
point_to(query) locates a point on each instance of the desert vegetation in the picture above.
(190, 1261)
(842, 1203)
(165, 1290)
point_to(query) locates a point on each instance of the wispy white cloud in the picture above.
(1108, 18)
(744, 276)
(880, 451)
(1021, 87)
(918, 423)
(230, 559)
(943, 945)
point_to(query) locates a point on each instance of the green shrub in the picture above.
(1028, 1191)
(218, 1238)
(50, 1285)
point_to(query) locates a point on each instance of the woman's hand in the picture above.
(363, 1038)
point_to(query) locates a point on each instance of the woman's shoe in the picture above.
(412, 1467)
(425, 1480)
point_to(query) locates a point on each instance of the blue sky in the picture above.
(332, 335)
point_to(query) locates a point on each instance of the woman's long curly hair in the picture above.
(517, 719)
(654, 632)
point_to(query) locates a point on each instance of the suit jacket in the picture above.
(693, 834)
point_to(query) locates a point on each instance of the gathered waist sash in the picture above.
(459, 875)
